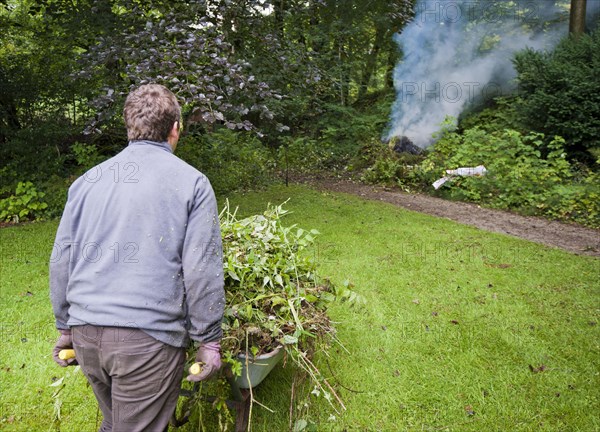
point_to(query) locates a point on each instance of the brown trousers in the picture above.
(136, 379)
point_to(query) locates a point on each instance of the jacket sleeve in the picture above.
(60, 269)
(202, 261)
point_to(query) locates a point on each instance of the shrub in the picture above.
(86, 155)
(560, 92)
(524, 173)
(518, 176)
(35, 153)
(346, 127)
(56, 189)
(231, 160)
(25, 204)
(579, 201)
(303, 154)
(382, 165)
(336, 136)
(501, 114)
(367, 155)
(384, 171)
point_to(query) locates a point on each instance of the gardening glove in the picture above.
(65, 341)
(209, 356)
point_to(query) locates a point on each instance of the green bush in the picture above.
(231, 160)
(560, 92)
(9, 177)
(518, 175)
(86, 156)
(56, 189)
(367, 155)
(303, 154)
(335, 136)
(35, 153)
(526, 172)
(384, 171)
(380, 164)
(347, 127)
(502, 114)
(25, 204)
(578, 201)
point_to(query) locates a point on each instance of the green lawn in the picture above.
(463, 330)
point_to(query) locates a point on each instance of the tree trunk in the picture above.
(279, 10)
(316, 43)
(371, 63)
(392, 60)
(577, 21)
(344, 76)
(9, 116)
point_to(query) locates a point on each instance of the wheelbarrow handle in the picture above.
(66, 354)
(196, 368)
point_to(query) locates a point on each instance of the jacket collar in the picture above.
(164, 145)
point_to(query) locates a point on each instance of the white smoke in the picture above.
(457, 51)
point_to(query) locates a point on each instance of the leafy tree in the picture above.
(176, 44)
(560, 92)
(37, 103)
(320, 52)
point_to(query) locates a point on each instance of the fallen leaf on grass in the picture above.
(540, 368)
(480, 299)
(57, 382)
(416, 301)
(500, 266)
(396, 373)
(454, 322)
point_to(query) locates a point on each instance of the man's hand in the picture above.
(65, 341)
(209, 355)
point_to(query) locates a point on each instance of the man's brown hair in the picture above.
(150, 112)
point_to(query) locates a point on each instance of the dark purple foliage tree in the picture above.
(182, 46)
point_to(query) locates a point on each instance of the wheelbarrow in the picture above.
(254, 371)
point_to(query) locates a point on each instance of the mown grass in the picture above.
(463, 330)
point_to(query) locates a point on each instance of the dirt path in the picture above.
(573, 238)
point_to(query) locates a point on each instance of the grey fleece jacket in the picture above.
(139, 245)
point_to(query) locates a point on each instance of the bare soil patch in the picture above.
(570, 237)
